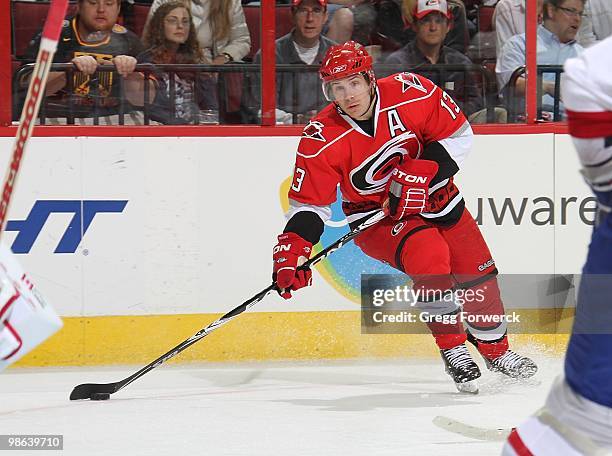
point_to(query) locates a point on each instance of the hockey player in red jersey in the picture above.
(398, 142)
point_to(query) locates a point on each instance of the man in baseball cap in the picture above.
(305, 44)
(432, 22)
(309, 16)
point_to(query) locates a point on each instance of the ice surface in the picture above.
(340, 408)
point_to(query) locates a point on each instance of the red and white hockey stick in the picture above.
(36, 90)
(102, 391)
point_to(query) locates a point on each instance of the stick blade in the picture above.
(472, 432)
(87, 390)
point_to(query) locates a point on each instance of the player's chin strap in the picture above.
(373, 91)
(373, 97)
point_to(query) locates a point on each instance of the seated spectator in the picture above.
(509, 20)
(171, 39)
(555, 44)
(431, 24)
(303, 45)
(395, 18)
(597, 22)
(220, 27)
(91, 38)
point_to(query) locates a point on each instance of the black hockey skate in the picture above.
(513, 365)
(462, 368)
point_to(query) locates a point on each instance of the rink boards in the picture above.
(139, 242)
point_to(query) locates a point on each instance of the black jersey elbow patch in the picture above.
(447, 167)
(306, 224)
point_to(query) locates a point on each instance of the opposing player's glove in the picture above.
(408, 187)
(290, 252)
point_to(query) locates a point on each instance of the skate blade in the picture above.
(470, 387)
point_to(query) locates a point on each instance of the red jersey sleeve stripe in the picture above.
(590, 124)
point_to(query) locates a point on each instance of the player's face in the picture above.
(309, 19)
(98, 15)
(565, 19)
(352, 94)
(432, 29)
(176, 25)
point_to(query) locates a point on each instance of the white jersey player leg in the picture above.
(568, 425)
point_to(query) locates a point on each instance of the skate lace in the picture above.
(459, 356)
(509, 360)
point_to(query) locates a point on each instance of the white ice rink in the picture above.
(340, 408)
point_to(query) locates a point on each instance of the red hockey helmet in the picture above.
(345, 60)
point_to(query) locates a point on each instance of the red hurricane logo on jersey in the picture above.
(371, 175)
(314, 130)
(410, 80)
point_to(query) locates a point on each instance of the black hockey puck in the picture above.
(100, 396)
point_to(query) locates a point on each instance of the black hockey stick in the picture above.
(99, 391)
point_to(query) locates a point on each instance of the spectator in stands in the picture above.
(395, 18)
(303, 45)
(509, 20)
(91, 38)
(597, 22)
(220, 26)
(431, 24)
(171, 39)
(555, 44)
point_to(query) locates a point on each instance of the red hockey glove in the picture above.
(291, 252)
(408, 187)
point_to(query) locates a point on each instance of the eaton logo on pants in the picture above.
(84, 213)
